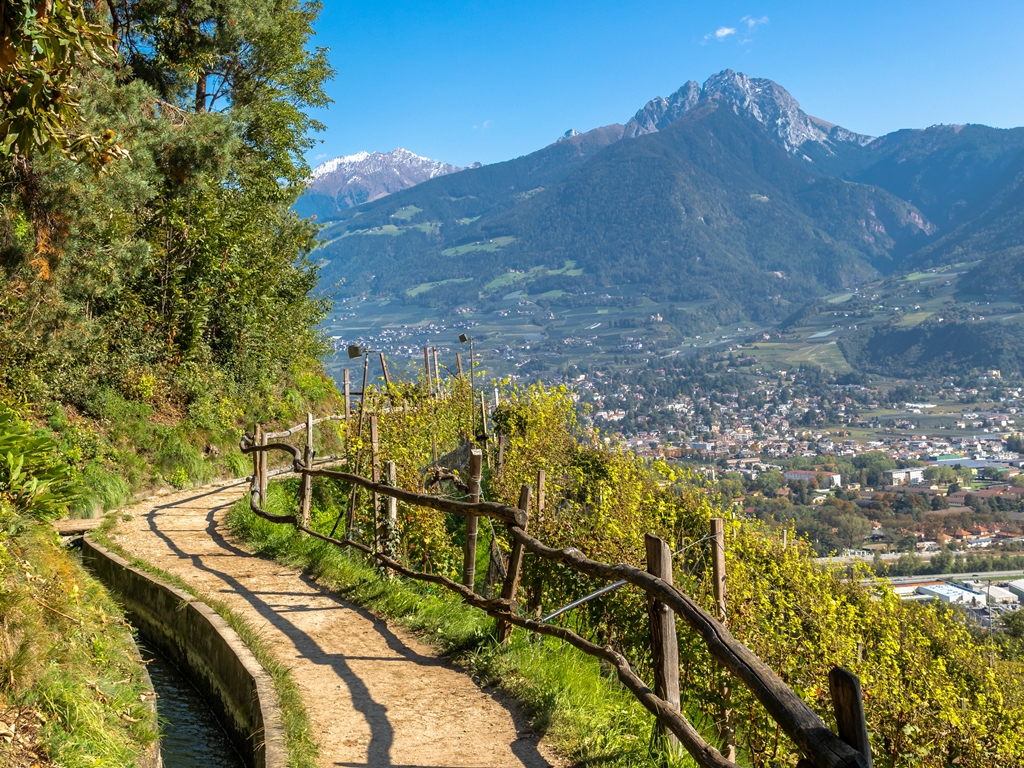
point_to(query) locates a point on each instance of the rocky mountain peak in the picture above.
(365, 176)
(659, 113)
(763, 100)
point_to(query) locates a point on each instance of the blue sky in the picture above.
(487, 81)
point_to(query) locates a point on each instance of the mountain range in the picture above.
(726, 193)
(345, 182)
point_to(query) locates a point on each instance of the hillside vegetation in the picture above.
(73, 691)
(937, 693)
(155, 288)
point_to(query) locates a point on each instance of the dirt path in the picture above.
(376, 696)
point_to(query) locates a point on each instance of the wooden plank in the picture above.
(476, 463)
(848, 704)
(664, 644)
(515, 566)
(70, 527)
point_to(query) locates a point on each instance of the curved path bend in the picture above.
(376, 696)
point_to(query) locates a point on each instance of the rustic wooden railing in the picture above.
(820, 746)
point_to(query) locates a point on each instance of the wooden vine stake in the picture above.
(664, 644)
(458, 363)
(437, 373)
(375, 476)
(347, 386)
(306, 484)
(426, 367)
(718, 572)
(391, 512)
(541, 483)
(515, 566)
(476, 464)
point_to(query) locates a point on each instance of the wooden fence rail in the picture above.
(822, 748)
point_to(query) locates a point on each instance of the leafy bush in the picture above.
(32, 476)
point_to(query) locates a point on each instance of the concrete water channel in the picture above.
(190, 734)
(216, 705)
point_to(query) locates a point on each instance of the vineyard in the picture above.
(420, 466)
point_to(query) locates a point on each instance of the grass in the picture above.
(568, 696)
(301, 746)
(67, 660)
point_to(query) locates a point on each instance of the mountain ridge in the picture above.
(350, 180)
(726, 195)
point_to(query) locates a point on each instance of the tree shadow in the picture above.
(277, 615)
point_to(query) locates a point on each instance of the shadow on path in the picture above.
(378, 752)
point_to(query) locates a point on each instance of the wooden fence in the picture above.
(820, 746)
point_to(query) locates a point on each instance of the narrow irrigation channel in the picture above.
(190, 736)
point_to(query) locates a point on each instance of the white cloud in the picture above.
(753, 22)
(723, 32)
(483, 126)
(321, 156)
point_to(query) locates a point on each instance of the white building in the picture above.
(912, 476)
(947, 593)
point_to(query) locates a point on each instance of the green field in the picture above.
(424, 287)
(406, 213)
(489, 245)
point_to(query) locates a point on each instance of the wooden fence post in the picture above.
(306, 484)
(458, 363)
(391, 517)
(257, 430)
(515, 565)
(664, 644)
(437, 373)
(849, 709)
(263, 469)
(347, 385)
(375, 476)
(718, 573)
(476, 462)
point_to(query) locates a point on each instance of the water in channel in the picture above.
(190, 736)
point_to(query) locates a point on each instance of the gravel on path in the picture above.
(376, 695)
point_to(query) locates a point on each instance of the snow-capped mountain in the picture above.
(766, 101)
(345, 182)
